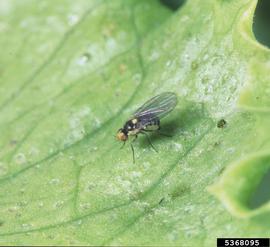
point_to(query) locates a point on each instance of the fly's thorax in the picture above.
(135, 125)
(132, 126)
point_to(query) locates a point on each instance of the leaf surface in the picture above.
(72, 73)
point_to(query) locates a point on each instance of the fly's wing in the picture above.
(157, 107)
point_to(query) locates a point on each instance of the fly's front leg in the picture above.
(123, 145)
(132, 148)
(133, 155)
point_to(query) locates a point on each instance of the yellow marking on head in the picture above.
(134, 121)
(121, 136)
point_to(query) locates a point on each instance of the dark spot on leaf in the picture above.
(13, 142)
(180, 191)
(122, 68)
(221, 170)
(221, 123)
(194, 65)
(108, 30)
(18, 215)
(1, 223)
(85, 57)
(50, 236)
(161, 200)
(90, 187)
(216, 144)
(136, 196)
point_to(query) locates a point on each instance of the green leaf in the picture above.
(73, 72)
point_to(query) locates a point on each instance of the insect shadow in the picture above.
(180, 120)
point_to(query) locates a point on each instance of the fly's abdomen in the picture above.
(152, 125)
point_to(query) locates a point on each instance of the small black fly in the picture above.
(147, 118)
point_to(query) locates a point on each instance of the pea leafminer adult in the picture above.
(147, 118)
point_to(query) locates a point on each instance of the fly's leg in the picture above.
(132, 149)
(123, 145)
(133, 155)
(163, 134)
(149, 141)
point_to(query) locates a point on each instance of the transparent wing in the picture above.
(159, 106)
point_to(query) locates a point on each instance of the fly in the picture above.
(147, 118)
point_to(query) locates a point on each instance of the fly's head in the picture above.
(122, 135)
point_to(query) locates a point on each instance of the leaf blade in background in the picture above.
(64, 179)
